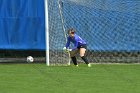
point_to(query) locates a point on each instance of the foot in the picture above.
(89, 65)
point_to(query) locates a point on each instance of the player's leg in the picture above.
(73, 57)
(82, 55)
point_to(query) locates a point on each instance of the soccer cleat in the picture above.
(76, 65)
(89, 65)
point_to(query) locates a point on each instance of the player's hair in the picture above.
(71, 30)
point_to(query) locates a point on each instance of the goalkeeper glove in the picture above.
(69, 50)
(66, 50)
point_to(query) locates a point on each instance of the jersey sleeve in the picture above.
(68, 42)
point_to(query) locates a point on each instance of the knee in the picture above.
(81, 55)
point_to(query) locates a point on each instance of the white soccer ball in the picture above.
(30, 59)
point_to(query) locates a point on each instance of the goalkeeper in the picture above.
(79, 46)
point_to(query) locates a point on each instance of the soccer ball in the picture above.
(30, 59)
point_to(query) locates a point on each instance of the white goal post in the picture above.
(47, 32)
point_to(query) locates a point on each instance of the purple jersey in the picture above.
(76, 40)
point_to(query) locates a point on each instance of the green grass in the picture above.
(38, 78)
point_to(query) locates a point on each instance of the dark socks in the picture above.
(85, 59)
(74, 60)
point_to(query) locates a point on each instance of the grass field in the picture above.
(100, 78)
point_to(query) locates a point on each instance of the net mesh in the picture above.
(111, 28)
(57, 38)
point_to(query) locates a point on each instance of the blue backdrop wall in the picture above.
(22, 24)
(104, 24)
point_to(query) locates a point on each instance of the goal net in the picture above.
(111, 29)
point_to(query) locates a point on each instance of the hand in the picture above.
(65, 49)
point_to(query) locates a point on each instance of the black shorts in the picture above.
(82, 46)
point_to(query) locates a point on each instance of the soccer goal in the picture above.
(38, 28)
(110, 28)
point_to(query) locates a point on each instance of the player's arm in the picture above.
(67, 44)
(75, 47)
